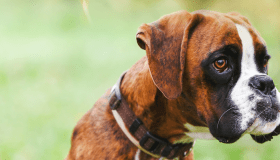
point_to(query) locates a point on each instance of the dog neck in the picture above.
(150, 105)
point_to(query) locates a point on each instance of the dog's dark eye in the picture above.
(220, 65)
(265, 62)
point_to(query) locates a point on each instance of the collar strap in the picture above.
(138, 133)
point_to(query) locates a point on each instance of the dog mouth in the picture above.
(261, 138)
(263, 133)
(266, 137)
(260, 128)
(263, 128)
(259, 132)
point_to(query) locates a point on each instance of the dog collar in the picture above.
(138, 134)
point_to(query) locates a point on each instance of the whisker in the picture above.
(265, 138)
(275, 132)
(261, 112)
(222, 116)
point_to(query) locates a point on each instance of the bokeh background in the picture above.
(54, 64)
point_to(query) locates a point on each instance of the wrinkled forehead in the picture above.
(258, 42)
(218, 30)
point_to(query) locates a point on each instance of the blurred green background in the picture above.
(54, 65)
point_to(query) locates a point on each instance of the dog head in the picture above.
(221, 62)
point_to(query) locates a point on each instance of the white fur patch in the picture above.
(196, 132)
(201, 135)
(241, 92)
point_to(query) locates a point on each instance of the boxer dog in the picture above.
(204, 76)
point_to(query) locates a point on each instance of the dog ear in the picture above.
(165, 42)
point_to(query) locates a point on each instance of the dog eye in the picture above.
(220, 65)
(265, 62)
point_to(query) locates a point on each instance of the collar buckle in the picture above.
(157, 141)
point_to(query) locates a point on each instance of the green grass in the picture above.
(54, 66)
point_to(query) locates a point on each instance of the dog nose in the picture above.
(262, 83)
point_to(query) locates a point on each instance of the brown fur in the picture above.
(165, 89)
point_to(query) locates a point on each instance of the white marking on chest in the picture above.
(195, 132)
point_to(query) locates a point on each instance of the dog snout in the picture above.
(263, 84)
